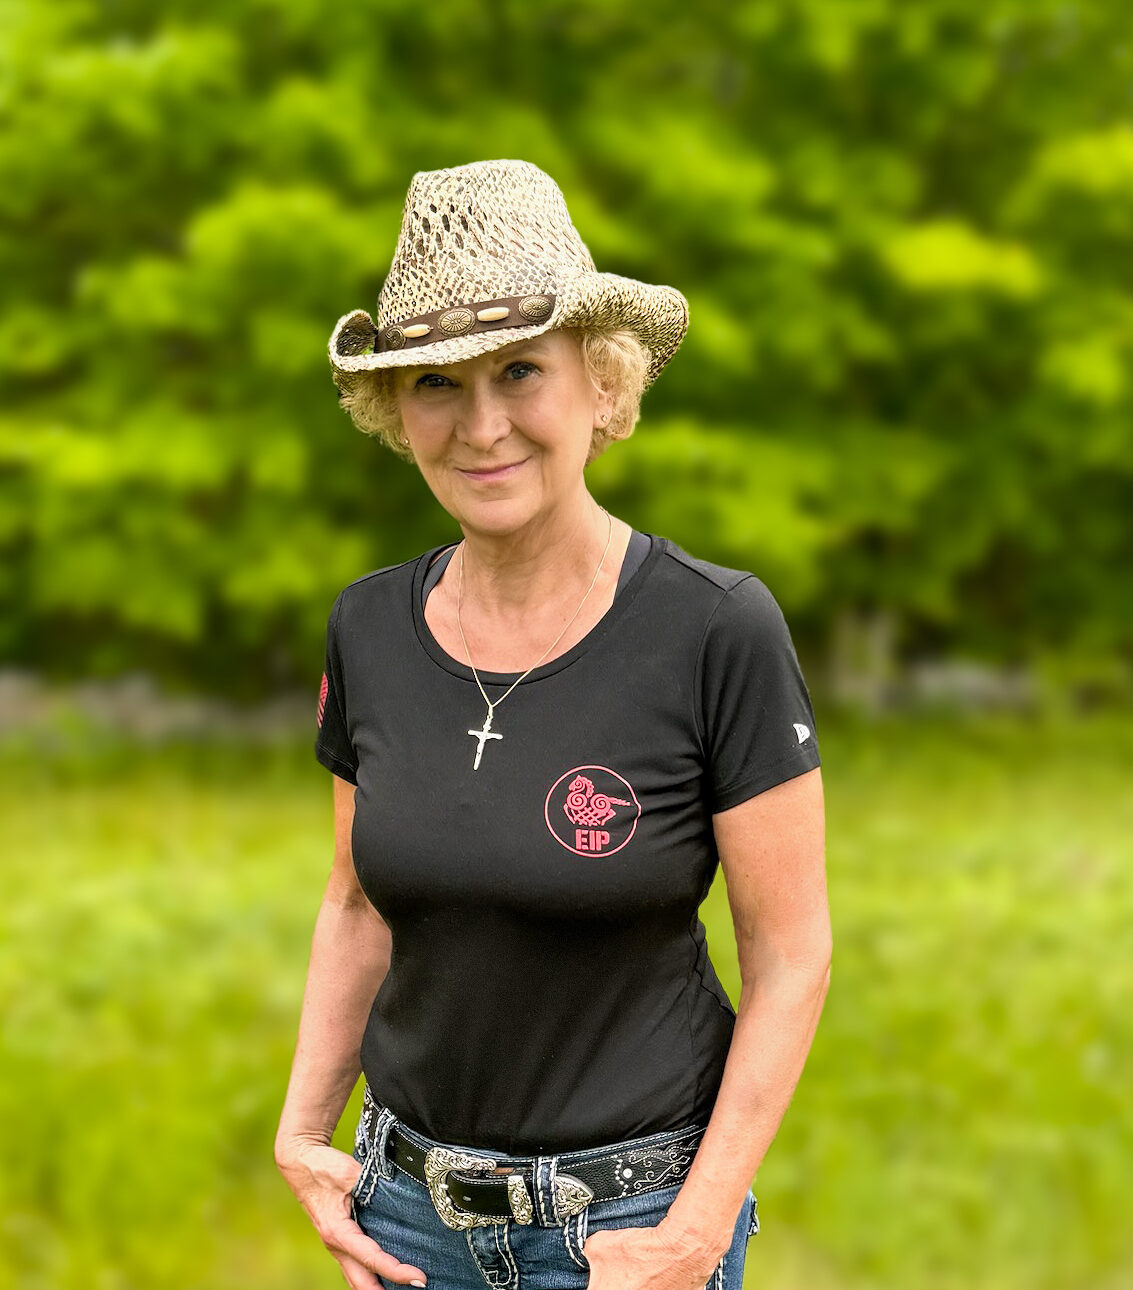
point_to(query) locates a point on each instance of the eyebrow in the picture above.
(518, 348)
(510, 353)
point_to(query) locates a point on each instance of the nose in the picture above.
(482, 420)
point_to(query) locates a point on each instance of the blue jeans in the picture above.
(395, 1210)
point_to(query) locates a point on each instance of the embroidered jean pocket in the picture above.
(370, 1152)
(574, 1235)
(370, 1142)
(643, 1209)
(364, 1153)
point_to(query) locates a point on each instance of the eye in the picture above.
(519, 369)
(432, 381)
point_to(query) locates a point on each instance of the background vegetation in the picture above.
(905, 230)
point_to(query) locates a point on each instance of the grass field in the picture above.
(963, 1121)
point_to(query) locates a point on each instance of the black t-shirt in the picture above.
(550, 987)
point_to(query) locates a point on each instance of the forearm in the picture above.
(775, 1024)
(349, 960)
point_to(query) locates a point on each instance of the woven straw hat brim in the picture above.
(603, 301)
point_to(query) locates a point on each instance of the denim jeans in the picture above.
(395, 1210)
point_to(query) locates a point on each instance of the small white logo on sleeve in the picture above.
(802, 731)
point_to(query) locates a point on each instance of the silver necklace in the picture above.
(486, 732)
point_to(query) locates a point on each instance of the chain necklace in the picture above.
(485, 732)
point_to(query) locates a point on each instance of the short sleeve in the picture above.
(333, 746)
(755, 715)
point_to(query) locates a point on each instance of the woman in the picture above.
(544, 738)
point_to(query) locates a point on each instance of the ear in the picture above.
(603, 410)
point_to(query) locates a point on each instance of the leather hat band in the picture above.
(465, 320)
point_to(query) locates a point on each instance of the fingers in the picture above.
(324, 1179)
(361, 1278)
(350, 1245)
(356, 1276)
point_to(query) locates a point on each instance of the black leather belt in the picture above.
(468, 1190)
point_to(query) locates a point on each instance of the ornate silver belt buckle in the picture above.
(439, 1163)
(571, 1194)
(522, 1209)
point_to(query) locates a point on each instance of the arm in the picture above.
(350, 955)
(772, 853)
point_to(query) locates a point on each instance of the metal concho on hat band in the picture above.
(465, 320)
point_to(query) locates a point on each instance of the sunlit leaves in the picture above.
(904, 231)
(948, 256)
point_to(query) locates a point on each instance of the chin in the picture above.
(497, 518)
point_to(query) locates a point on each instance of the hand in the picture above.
(322, 1179)
(643, 1258)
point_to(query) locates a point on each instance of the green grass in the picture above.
(963, 1120)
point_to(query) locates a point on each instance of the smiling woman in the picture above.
(558, 1090)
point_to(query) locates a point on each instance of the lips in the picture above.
(503, 471)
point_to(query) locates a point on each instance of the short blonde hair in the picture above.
(615, 361)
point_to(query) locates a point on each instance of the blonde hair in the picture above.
(615, 362)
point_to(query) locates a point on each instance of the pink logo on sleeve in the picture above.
(322, 699)
(592, 811)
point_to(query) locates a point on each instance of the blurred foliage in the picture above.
(962, 1121)
(905, 231)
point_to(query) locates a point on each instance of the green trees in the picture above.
(904, 231)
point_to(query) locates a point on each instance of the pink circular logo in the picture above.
(592, 811)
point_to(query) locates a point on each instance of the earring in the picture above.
(405, 442)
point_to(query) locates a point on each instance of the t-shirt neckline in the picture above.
(453, 666)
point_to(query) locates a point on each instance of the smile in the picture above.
(492, 473)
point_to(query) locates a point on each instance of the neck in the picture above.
(509, 573)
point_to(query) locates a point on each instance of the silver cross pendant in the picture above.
(484, 734)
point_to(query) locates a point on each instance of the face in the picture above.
(502, 439)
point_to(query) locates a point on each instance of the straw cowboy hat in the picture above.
(487, 255)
